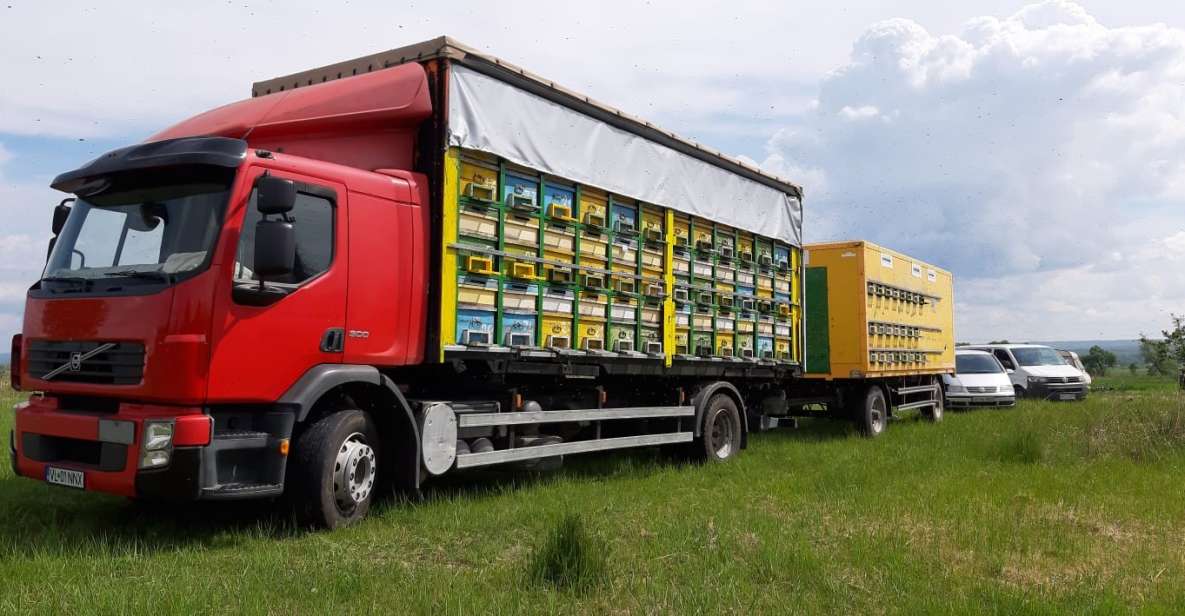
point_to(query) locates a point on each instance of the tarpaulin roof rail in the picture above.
(447, 47)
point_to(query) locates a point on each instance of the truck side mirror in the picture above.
(60, 214)
(275, 249)
(274, 195)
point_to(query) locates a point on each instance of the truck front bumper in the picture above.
(103, 450)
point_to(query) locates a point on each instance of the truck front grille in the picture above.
(120, 364)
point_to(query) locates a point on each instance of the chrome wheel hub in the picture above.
(721, 435)
(353, 472)
(877, 414)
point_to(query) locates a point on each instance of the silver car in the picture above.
(979, 380)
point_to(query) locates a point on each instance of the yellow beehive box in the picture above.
(872, 311)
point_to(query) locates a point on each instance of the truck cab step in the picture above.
(241, 439)
(232, 491)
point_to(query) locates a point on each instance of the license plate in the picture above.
(1068, 397)
(65, 477)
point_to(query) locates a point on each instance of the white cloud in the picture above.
(1038, 156)
(24, 233)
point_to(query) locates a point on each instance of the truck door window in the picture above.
(1002, 355)
(312, 218)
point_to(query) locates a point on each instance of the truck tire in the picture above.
(333, 470)
(721, 430)
(872, 415)
(934, 413)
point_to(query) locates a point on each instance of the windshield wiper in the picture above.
(150, 275)
(83, 283)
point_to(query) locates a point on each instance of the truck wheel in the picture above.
(333, 470)
(1019, 391)
(721, 430)
(873, 415)
(934, 413)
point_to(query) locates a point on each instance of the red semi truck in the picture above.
(418, 262)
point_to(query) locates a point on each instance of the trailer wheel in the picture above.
(873, 416)
(721, 429)
(333, 470)
(934, 413)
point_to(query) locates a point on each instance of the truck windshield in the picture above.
(976, 364)
(144, 227)
(1037, 356)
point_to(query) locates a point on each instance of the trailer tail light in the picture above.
(14, 367)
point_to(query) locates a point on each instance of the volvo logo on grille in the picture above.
(74, 364)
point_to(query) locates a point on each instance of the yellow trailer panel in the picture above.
(875, 312)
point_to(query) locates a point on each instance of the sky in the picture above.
(1034, 149)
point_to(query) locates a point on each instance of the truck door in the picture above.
(261, 350)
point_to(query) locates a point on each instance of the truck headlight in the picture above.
(158, 435)
(1037, 379)
(955, 389)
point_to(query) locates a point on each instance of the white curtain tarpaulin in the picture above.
(489, 115)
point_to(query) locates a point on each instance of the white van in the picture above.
(1072, 358)
(1038, 371)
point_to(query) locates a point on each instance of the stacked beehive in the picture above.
(545, 263)
(733, 294)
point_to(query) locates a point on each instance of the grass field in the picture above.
(1073, 507)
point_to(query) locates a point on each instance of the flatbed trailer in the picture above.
(421, 262)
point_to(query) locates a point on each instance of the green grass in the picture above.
(1066, 508)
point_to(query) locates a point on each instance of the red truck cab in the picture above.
(161, 364)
